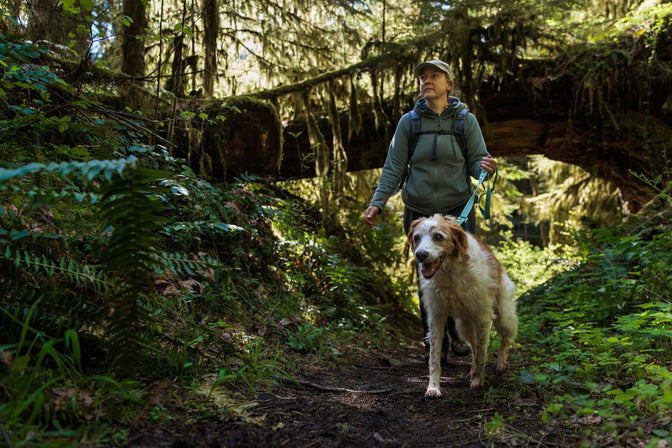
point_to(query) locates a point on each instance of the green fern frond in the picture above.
(47, 311)
(88, 170)
(179, 263)
(202, 227)
(69, 269)
(132, 209)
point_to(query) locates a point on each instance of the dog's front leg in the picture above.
(436, 330)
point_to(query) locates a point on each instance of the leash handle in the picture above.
(470, 203)
(485, 211)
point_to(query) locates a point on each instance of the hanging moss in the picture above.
(317, 141)
(355, 116)
(340, 158)
(381, 118)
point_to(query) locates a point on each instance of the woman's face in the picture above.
(434, 84)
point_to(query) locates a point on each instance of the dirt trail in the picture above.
(374, 401)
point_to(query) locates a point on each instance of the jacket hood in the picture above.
(454, 106)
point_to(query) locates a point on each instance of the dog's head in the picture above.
(436, 239)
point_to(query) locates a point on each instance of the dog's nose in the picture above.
(421, 255)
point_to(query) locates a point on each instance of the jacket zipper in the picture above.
(436, 165)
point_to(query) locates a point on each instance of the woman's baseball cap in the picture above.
(434, 63)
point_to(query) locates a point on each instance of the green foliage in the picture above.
(600, 336)
(43, 387)
(566, 199)
(131, 211)
(631, 45)
(82, 244)
(306, 338)
(528, 265)
(112, 251)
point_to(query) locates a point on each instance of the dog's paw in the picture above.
(476, 382)
(500, 367)
(433, 392)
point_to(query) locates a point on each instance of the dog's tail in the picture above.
(506, 322)
(508, 319)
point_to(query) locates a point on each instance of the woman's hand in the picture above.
(370, 215)
(488, 164)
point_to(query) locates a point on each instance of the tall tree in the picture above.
(133, 46)
(210, 39)
(175, 83)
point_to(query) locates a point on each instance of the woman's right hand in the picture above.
(370, 215)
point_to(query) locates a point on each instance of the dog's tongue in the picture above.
(428, 270)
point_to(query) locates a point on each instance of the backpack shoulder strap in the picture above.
(416, 128)
(458, 130)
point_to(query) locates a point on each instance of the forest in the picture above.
(184, 260)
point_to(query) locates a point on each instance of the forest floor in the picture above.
(374, 399)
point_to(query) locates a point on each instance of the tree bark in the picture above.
(210, 32)
(133, 46)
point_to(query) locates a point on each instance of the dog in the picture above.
(459, 276)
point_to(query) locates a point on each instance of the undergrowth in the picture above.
(599, 340)
(125, 277)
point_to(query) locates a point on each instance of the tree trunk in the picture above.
(133, 44)
(175, 83)
(614, 155)
(210, 31)
(49, 21)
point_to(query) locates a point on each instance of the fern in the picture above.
(48, 312)
(179, 263)
(132, 209)
(68, 294)
(202, 227)
(32, 257)
(87, 170)
(129, 214)
(72, 292)
(70, 269)
(83, 229)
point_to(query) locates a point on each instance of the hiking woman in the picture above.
(438, 180)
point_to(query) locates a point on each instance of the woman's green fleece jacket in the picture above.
(434, 184)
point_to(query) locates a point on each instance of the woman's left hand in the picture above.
(488, 164)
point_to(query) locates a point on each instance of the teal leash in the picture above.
(485, 211)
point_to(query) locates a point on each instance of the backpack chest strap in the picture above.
(436, 137)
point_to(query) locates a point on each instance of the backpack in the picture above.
(416, 132)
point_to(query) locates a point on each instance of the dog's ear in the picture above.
(411, 231)
(459, 237)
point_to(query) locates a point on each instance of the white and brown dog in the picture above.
(460, 277)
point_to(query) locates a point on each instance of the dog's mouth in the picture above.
(429, 269)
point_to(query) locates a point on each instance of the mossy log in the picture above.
(515, 126)
(531, 114)
(226, 139)
(251, 139)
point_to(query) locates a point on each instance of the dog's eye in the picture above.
(438, 237)
(416, 238)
